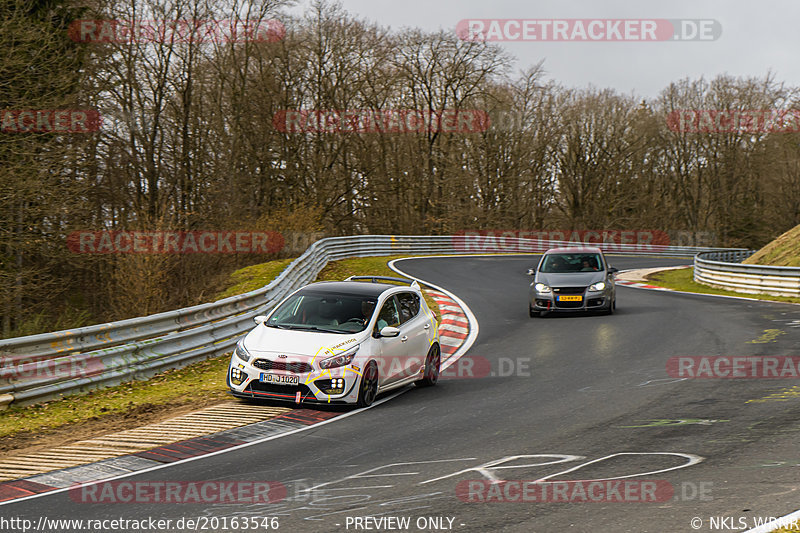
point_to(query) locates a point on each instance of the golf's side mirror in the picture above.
(531, 272)
(260, 319)
(612, 270)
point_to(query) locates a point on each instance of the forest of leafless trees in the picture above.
(188, 141)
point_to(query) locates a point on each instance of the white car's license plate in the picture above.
(280, 379)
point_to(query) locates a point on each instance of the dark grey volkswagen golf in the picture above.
(572, 279)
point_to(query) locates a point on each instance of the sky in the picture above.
(756, 38)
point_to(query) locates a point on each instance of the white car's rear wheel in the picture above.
(432, 363)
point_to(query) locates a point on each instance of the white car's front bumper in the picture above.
(337, 385)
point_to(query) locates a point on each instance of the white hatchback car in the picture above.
(339, 342)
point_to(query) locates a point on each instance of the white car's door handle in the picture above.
(404, 338)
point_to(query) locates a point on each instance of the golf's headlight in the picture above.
(599, 286)
(541, 287)
(340, 359)
(241, 353)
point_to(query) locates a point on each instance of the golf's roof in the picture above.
(574, 250)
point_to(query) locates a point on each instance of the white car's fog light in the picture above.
(330, 386)
(237, 376)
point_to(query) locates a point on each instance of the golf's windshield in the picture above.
(324, 311)
(575, 262)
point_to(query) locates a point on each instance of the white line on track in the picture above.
(219, 452)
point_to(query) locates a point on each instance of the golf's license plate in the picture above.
(570, 298)
(280, 379)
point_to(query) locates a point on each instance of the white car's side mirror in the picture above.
(260, 319)
(531, 272)
(389, 331)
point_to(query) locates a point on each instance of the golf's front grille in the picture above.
(297, 368)
(569, 305)
(569, 290)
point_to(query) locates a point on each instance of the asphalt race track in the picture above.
(563, 397)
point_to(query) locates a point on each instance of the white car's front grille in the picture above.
(297, 368)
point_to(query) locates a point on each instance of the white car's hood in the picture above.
(264, 340)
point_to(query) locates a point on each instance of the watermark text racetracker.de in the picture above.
(179, 492)
(605, 491)
(581, 491)
(734, 367)
(476, 367)
(176, 31)
(175, 242)
(512, 241)
(50, 120)
(734, 120)
(466, 367)
(24, 368)
(589, 30)
(349, 121)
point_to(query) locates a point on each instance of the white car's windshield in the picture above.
(574, 262)
(324, 311)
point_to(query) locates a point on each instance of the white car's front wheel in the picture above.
(368, 388)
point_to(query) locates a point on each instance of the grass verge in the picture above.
(138, 402)
(254, 277)
(681, 279)
(196, 385)
(783, 251)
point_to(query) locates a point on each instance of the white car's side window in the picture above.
(389, 315)
(409, 306)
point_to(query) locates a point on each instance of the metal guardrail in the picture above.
(723, 269)
(37, 368)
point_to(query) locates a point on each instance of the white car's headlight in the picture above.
(241, 353)
(340, 359)
(599, 286)
(541, 287)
